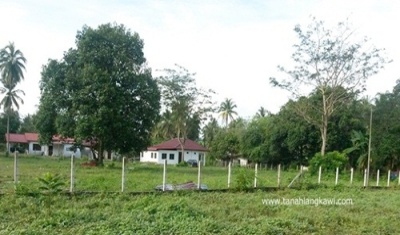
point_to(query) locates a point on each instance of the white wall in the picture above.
(146, 156)
(61, 150)
(34, 152)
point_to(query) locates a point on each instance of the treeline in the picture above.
(287, 138)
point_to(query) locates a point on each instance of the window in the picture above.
(163, 156)
(36, 147)
(155, 155)
(171, 156)
(194, 153)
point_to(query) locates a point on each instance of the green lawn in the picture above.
(139, 177)
(372, 212)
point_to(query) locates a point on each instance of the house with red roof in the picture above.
(58, 147)
(171, 151)
(29, 140)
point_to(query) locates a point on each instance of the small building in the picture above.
(30, 141)
(171, 151)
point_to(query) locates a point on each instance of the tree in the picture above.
(209, 131)
(254, 141)
(101, 93)
(227, 111)
(262, 112)
(28, 124)
(187, 105)
(360, 147)
(332, 64)
(386, 129)
(12, 65)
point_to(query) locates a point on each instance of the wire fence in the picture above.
(76, 175)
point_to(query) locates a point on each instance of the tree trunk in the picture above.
(323, 137)
(324, 128)
(8, 132)
(109, 155)
(100, 153)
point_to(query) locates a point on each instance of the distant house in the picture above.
(172, 152)
(27, 140)
(58, 146)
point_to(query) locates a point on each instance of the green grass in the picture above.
(373, 211)
(139, 177)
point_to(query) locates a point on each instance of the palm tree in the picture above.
(10, 99)
(262, 112)
(226, 111)
(12, 64)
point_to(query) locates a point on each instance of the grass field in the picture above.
(373, 211)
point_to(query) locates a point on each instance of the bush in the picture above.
(182, 164)
(244, 179)
(50, 183)
(328, 162)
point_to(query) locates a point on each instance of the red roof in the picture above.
(174, 144)
(17, 138)
(34, 137)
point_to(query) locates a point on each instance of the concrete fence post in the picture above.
(16, 167)
(229, 174)
(377, 177)
(72, 180)
(123, 175)
(164, 175)
(255, 176)
(279, 175)
(319, 174)
(199, 175)
(351, 175)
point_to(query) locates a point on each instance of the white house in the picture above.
(172, 152)
(58, 147)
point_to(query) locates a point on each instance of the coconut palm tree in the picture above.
(10, 100)
(12, 65)
(227, 111)
(262, 112)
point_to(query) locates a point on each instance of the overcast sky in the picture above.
(232, 46)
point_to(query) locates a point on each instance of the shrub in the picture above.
(244, 179)
(328, 162)
(50, 183)
(182, 164)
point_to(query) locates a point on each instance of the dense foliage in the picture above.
(101, 93)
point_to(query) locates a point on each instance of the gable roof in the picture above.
(23, 138)
(34, 137)
(174, 144)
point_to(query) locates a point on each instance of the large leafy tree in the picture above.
(28, 124)
(12, 66)
(386, 129)
(254, 141)
(101, 92)
(186, 105)
(332, 63)
(227, 111)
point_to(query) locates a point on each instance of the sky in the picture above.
(233, 46)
